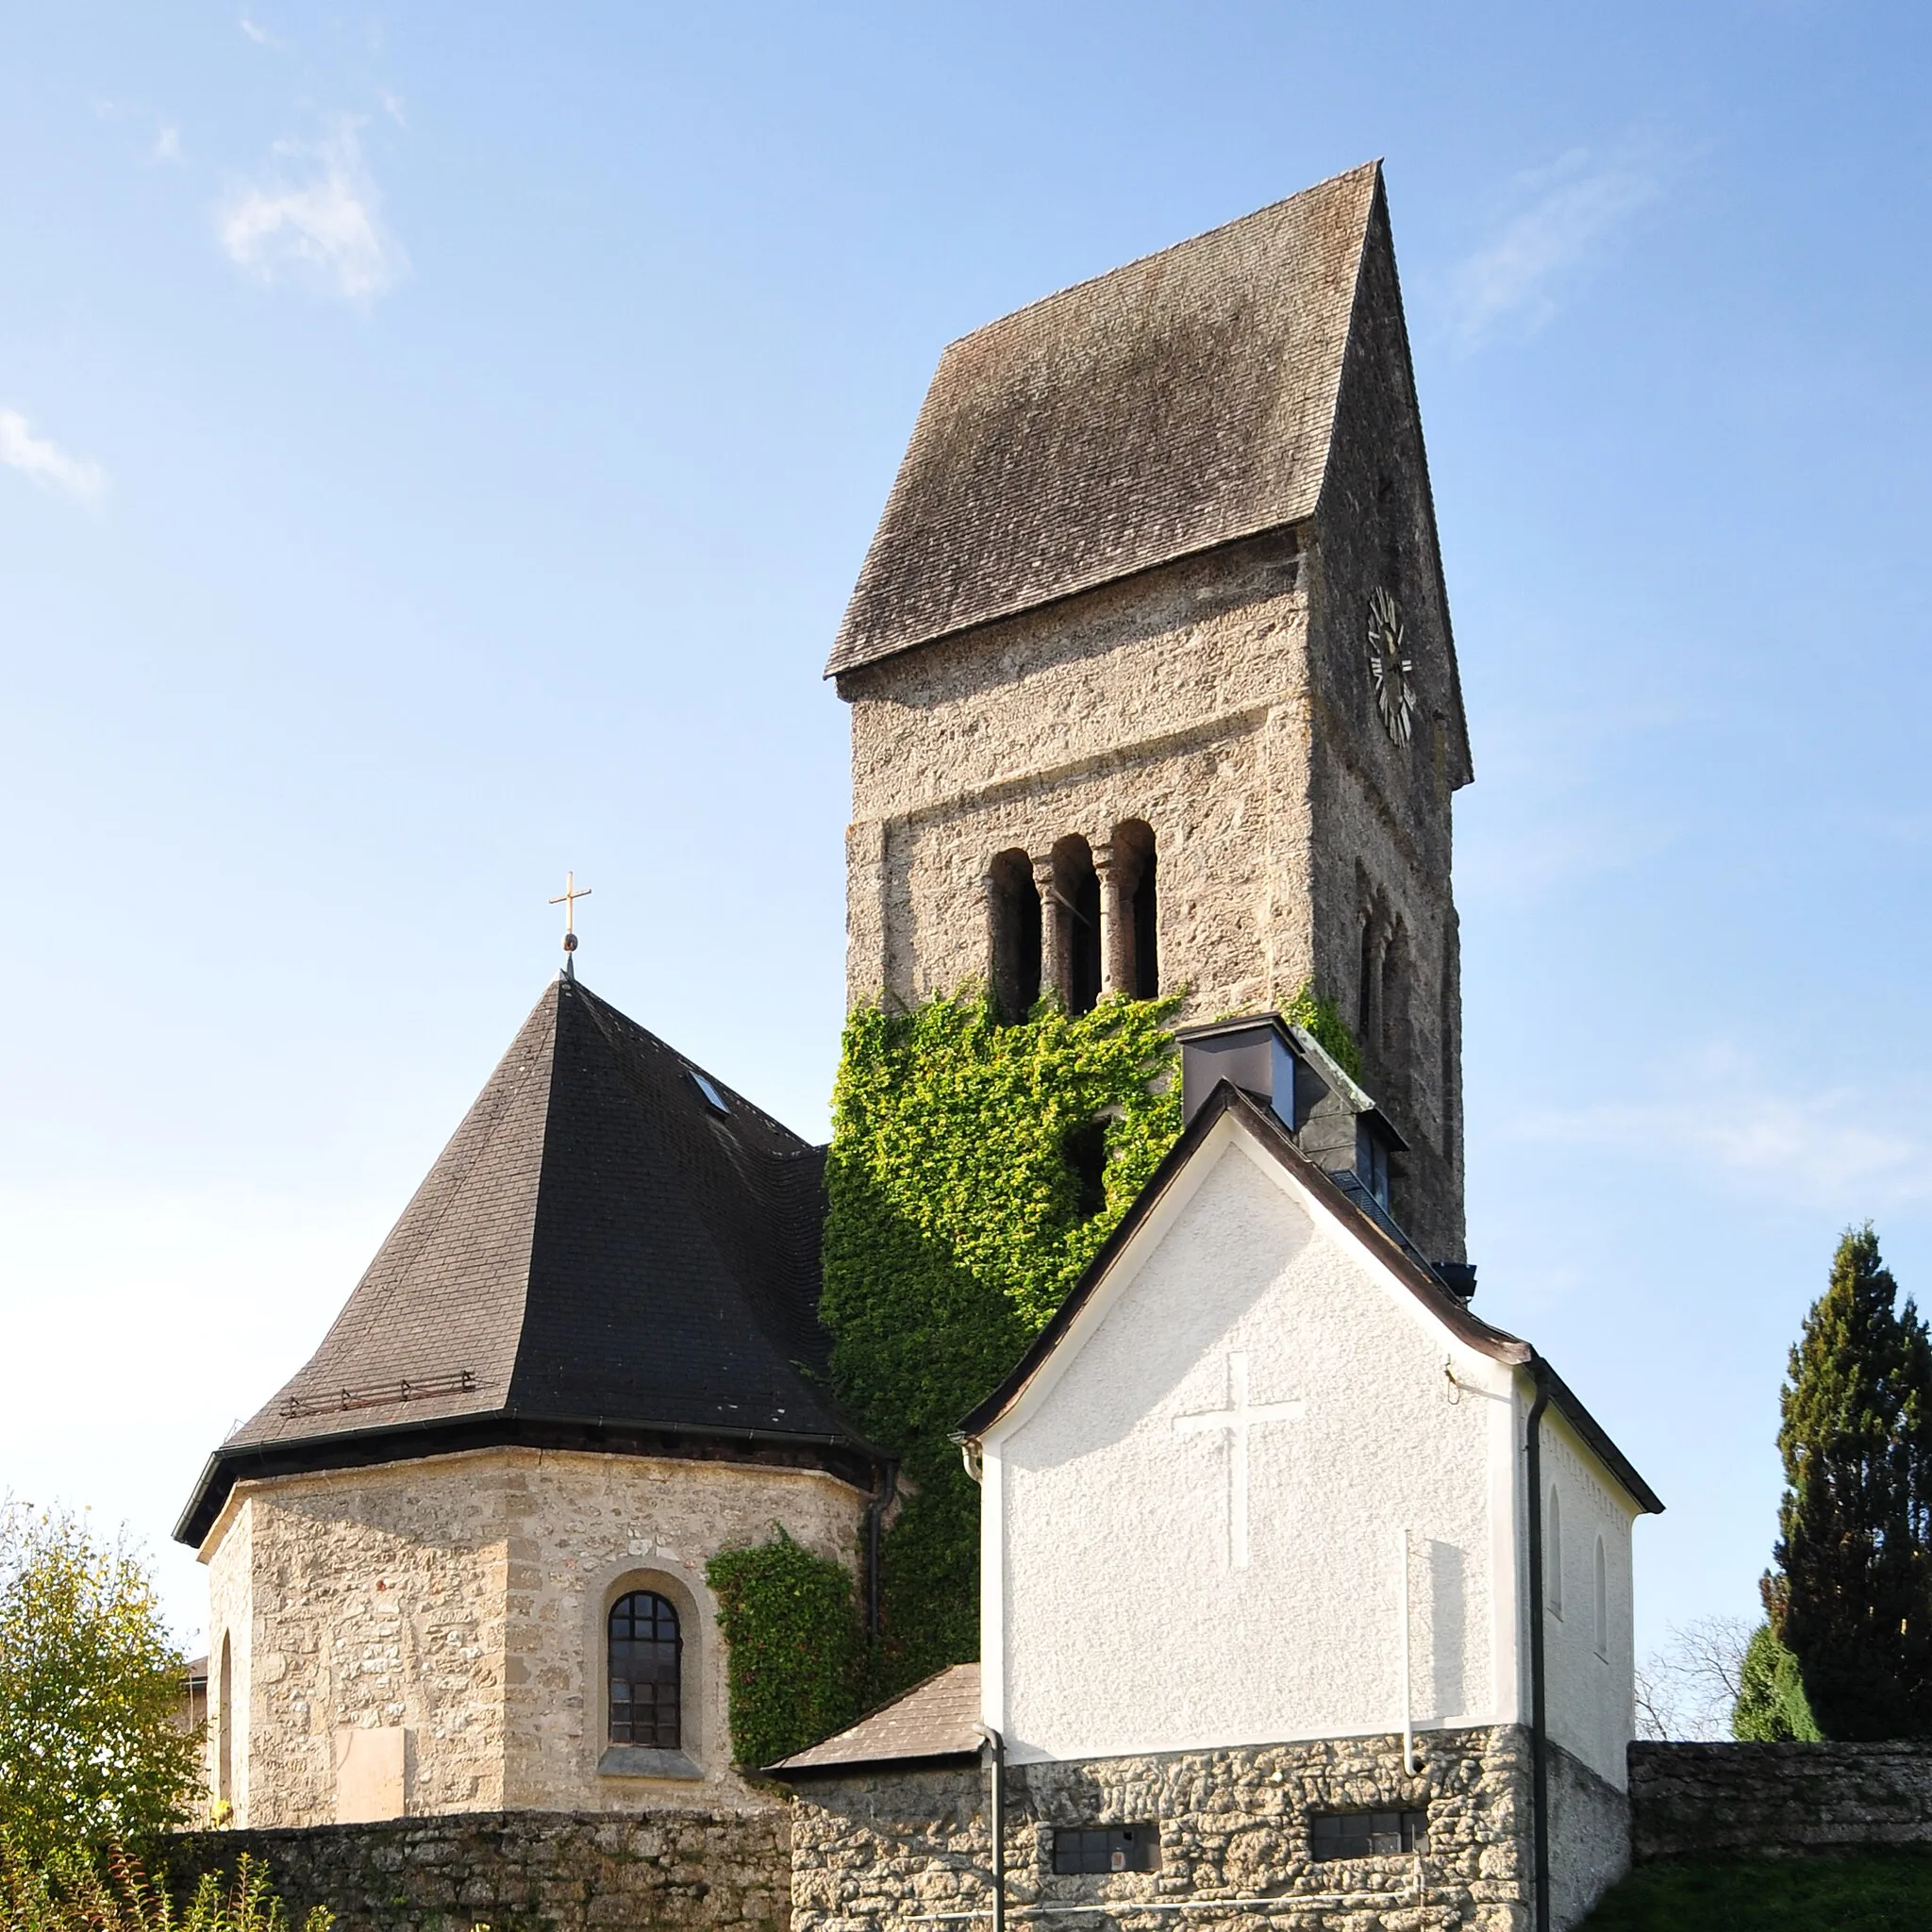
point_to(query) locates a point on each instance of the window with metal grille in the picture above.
(646, 1650)
(1106, 1848)
(1367, 1834)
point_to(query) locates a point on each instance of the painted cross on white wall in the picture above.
(1236, 1420)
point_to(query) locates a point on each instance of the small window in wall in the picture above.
(1013, 914)
(1106, 1848)
(1075, 913)
(1553, 1554)
(1603, 1603)
(1085, 1153)
(1367, 1834)
(1133, 856)
(224, 1726)
(646, 1667)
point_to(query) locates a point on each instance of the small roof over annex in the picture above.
(615, 1251)
(935, 1723)
(1183, 401)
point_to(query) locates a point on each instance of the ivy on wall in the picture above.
(974, 1169)
(796, 1650)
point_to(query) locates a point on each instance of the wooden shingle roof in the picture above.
(1183, 401)
(600, 1250)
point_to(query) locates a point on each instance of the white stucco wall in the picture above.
(1591, 1689)
(1121, 1614)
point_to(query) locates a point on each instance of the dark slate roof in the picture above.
(936, 1719)
(598, 1248)
(1183, 401)
(1266, 1127)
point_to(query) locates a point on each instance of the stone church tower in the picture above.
(1150, 665)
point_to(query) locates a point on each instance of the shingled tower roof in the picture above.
(1183, 401)
(603, 1257)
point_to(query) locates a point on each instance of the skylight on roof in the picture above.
(703, 1083)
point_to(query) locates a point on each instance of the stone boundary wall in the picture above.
(881, 1849)
(521, 1871)
(1777, 1800)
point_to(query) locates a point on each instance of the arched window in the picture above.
(1013, 920)
(646, 1666)
(1368, 999)
(1553, 1554)
(1076, 915)
(1394, 1044)
(1603, 1603)
(1137, 969)
(224, 1726)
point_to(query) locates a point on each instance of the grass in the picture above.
(1864, 1891)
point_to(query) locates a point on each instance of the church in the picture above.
(1303, 1590)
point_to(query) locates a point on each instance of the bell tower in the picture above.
(1152, 680)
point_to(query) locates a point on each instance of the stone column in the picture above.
(1116, 941)
(1052, 929)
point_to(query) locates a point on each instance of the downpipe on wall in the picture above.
(1409, 1763)
(1539, 1741)
(996, 1821)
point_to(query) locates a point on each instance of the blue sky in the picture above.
(436, 446)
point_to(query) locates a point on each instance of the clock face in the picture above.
(1389, 669)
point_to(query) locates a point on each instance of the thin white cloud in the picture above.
(392, 105)
(1572, 208)
(44, 462)
(167, 143)
(259, 34)
(1851, 1149)
(316, 217)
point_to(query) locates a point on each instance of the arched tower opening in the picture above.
(1073, 915)
(1012, 901)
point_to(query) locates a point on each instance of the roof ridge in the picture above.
(1133, 261)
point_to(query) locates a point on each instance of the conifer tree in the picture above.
(1849, 1595)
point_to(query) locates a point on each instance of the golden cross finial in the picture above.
(568, 899)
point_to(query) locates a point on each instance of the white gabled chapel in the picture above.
(1266, 1481)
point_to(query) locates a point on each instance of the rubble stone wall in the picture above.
(873, 1853)
(521, 1871)
(1772, 1800)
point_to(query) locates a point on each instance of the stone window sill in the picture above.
(634, 1760)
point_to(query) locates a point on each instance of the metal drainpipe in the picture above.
(996, 1821)
(1539, 1743)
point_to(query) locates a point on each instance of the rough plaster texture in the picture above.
(1224, 700)
(873, 1851)
(1709, 1800)
(1591, 1685)
(462, 1599)
(1104, 1471)
(680, 1871)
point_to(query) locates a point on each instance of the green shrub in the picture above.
(1771, 1707)
(794, 1642)
(68, 1890)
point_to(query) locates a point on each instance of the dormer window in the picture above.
(1371, 1165)
(705, 1086)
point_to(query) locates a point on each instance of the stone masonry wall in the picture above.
(521, 1871)
(874, 1853)
(460, 1601)
(1703, 1800)
(1177, 698)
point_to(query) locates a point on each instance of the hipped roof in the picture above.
(1183, 401)
(598, 1248)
